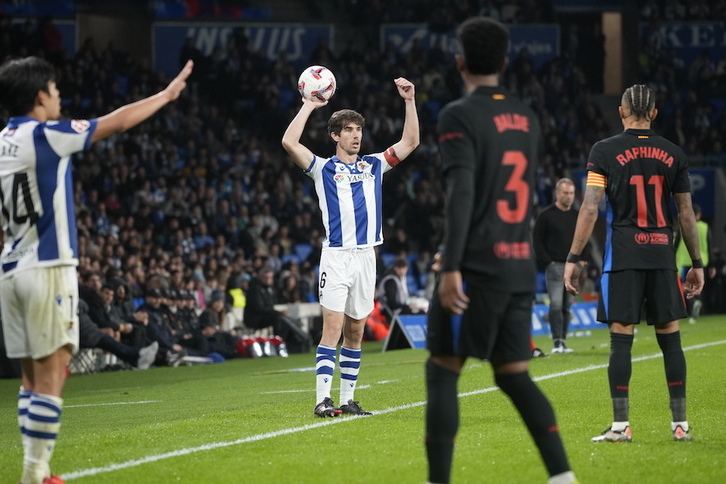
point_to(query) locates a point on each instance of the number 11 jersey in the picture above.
(639, 170)
(36, 192)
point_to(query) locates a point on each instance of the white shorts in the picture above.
(40, 311)
(347, 281)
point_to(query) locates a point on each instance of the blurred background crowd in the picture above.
(202, 198)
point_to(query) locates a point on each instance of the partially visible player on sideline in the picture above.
(38, 282)
(490, 144)
(349, 192)
(639, 171)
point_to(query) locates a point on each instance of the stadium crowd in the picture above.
(200, 199)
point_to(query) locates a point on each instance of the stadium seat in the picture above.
(290, 257)
(138, 302)
(387, 259)
(412, 284)
(302, 251)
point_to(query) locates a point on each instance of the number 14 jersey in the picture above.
(639, 170)
(36, 192)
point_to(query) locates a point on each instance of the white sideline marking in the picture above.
(333, 421)
(310, 390)
(113, 403)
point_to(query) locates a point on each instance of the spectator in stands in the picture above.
(185, 324)
(393, 290)
(92, 337)
(290, 289)
(213, 324)
(122, 309)
(90, 292)
(260, 313)
(160, 330)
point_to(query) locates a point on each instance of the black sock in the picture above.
(538, 416)
(675, 370)
(620, 367)
(442, 420)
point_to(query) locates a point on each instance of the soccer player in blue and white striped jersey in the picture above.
(38, 283)
(349, 192)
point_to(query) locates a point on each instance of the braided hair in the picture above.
(640, 99)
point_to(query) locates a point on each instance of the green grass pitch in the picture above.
(252, 421)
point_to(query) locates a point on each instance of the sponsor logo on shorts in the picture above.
(653, 239)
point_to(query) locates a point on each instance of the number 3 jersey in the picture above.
(36, 192)
(490, 144)
(639, 171)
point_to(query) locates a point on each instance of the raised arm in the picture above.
(130, 115)
(300, 154)
(689, 232)
(410, 137)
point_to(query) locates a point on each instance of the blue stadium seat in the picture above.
(387, 259)
(138, 302)
(290, 257)
(412, 284)
(302, 251)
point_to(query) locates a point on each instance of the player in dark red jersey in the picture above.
(639, 171)
(490, 143)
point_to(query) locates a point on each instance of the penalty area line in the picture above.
(279, 433)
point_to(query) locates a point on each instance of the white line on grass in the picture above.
(309, 390)
(112, 403)
(278, 433)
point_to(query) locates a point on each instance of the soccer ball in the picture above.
(316, 83)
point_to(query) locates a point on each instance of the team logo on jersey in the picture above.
(641, 238)
(80, 125)
(362, 165)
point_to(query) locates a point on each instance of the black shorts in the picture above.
(624, 293)
(496, 326)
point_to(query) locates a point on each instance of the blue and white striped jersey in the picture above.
(36, 192)
(350, 198)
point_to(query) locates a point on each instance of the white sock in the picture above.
(42, 423)
(324, 366)
(349, 368)
(23, 404)
(620, 426)
(563, 478)
(684, 426)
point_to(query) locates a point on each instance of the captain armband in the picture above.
(596, 180)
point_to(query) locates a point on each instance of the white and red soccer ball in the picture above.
(316, 83)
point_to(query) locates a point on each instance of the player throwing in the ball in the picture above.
(349, 192)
